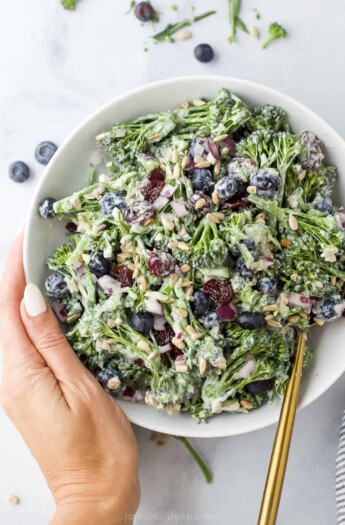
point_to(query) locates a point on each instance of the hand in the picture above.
(79, 436)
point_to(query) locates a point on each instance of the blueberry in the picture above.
(226, 187)
(46, 208)
(330, 309)
(111, 201)
(99, 265)
(56, 286)
(251, 320)
(142, 323)
(243, 269)
(109, 379)
(144, 11)
(45, 151)
(249, 243)
(19, 171)
(204, 53)
(201, 303)
(266, 181)
(260, 387)
(201, 180)
(324, 204)
(211, 319)
(267, 285)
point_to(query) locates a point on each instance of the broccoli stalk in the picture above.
(171, 29)
(199, 461)
(275, 31)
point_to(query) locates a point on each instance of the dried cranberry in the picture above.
(139, 213)
(124, 275)
(219, 290)
(234, 204)
(151, 189)
(161, 264)
(139, 362)
(164, 337)
(156, 174)
(71, 227)
(175, 352)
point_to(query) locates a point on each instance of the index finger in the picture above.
(16, 345)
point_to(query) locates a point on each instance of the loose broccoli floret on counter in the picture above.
(275, 31)
(69, 4)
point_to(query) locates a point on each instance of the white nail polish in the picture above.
(34, 301)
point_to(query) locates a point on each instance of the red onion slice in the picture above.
(213, 149)
(109, 285)
(153, 306)
(165, 348)
(160, 202)
(60, 311)
(179, 208)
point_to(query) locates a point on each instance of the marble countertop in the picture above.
(56, 68)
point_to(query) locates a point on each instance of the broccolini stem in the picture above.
(207, 474)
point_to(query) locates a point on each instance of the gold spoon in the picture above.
(281, 447)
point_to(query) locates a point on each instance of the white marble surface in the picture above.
(57, 67)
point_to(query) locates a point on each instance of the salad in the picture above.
(210, 239)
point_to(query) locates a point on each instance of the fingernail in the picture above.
(34, 302)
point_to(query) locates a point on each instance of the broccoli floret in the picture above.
(269, 117)
(272, 361)
(228, 113)
(275, 31)
(70, 5)
(126, 139)
(206, 249)
(269, 149)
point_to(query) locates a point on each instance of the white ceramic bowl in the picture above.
(68, 171)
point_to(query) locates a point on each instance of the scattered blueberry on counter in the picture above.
(19, 171)
(45, 151)
(204, 53)
(144, 12)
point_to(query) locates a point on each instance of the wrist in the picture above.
(102, 513)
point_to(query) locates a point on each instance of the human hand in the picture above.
(79, 436)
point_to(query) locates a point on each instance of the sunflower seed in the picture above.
(144, 346)
(198, 103)
(185, 162)
(293, 222)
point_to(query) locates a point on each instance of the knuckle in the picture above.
(50, 340)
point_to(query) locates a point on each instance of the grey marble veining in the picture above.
(57, 67)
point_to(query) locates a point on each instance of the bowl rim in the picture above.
(256, 87)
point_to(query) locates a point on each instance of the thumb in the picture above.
(43, 329)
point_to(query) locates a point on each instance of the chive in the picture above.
(171, 29)
(204, 15)
(235, 21)
(207, 474)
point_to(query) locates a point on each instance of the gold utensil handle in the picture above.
(281, 447)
